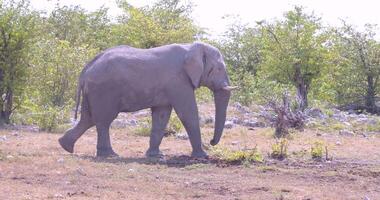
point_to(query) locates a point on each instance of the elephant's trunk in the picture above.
(221, 98)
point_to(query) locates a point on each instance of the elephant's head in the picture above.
(205, 66)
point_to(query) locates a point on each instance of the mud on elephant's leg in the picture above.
(160, 119)
(103, 147)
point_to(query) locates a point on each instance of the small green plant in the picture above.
(280, 149)
(174, 125)
(317, 150)
(239, 156)
(337, 126)
(144, 128)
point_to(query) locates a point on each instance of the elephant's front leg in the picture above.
(160, 119)
(185, 105)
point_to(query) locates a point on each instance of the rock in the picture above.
(338, 143)
(235, 120)
(311, 123)
(61, 160)
(81, 171)
(235, 142)
(347, 124)
(253, 123)
(142, 113)
(118, 124)
(240, 108)
(346, 132)
(133, 122)
(15, 133)
(123, 123)
(315, 113)
(366, 198)
(182, 136)
(206, 120)
(3, 138)
(228, 124)
(366, 120)
(342, 117)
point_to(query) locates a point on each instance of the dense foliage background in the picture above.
(42, 54)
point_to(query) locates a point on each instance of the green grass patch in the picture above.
(239, 156)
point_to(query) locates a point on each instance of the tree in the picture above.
(79, 27)
(167, 21)
(294, 51)
(241, 48)
(16, 33)
(358, 67)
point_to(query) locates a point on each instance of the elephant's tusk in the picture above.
(229, 88)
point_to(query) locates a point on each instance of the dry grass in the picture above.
(33, 166)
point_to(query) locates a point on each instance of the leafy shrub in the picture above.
(203, 94)
(144, 128)
(50, 118)
(317, 150)
(280, 149)
(174, 125)
(47, 118)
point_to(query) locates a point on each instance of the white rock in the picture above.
(228, 124)
(3, 138)
(345, 132)
(182, 136)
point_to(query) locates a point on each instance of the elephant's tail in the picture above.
(79, 94)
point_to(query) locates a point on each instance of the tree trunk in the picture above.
(370, 96)
(302, 88)
(7, 106)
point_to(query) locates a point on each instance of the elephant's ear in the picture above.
(194, 63)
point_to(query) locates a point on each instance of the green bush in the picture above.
(203, 95)
(317, 150)
(174, 125)
(47, 118)
(280, 149)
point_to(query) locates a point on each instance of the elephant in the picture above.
(128, 79)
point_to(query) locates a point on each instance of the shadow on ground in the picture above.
(170, 161)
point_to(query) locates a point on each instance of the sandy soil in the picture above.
(33, 166)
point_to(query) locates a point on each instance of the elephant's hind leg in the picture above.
(68, 140)
(103, 147)
(160, 118)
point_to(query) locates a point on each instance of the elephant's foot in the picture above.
(67, 144)
(105, 153)
(154, 153)
(199, 154)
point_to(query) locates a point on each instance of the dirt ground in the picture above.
(33, 166)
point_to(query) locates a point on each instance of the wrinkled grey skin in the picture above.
(126, 79)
